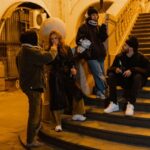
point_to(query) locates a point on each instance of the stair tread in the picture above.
(145, 48)
(144, 22)
(139, 100)
(111, 127)
(140, 24)
(88, 141)
(137, 114)
(143, 100)
(143, 38)
(143, 19)
(140, 27)
(140, 33)
(134, 30)
(143, 14)
(144, 88)
(144, 43)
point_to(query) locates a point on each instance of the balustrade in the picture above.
(120, 25)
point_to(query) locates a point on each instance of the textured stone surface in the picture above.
(13, 120)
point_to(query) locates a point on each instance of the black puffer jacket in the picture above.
(97, 35)
(138, 63)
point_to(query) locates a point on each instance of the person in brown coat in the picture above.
(30, 61)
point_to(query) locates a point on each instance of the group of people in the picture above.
(130, 69)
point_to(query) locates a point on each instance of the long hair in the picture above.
(61, 44)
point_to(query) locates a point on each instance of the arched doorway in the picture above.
(25, 16)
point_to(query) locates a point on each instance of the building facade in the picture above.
(18, 15)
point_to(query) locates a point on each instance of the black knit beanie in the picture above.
(91, 10)
(133, 42)
(29, 37)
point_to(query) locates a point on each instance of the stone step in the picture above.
(110, 131)
(143, 45)
(142, 26)
(144, 93)
(140, 119)
(141, 104)
(148, 82)
(143, 19)
(144, 14)
(67, 140)
(77, 141)
(148, 56)
(145, 50)
(144, 40)
(142, 23)
(140, 30)
(141, 35)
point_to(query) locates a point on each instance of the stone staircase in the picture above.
(113, 131)
(141, 30)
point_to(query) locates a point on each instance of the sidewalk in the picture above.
(13, 120)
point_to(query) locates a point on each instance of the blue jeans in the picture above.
(97, 69)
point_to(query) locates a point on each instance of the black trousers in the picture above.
(131, 86)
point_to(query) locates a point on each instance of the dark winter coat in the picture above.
(97, 35)
(138, 63)
(30, 61)
(62, 84)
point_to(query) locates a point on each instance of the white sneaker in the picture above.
(111, 108)
(129, 110)
(78, 117)
(58, 128)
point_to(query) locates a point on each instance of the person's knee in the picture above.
(137, 77)
(138, 80)
(111, 77)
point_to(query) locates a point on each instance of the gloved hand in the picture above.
(84, 44)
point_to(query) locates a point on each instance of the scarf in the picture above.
(93, 23)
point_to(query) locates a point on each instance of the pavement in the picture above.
(13, 120)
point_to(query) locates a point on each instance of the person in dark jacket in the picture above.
(30, 61)
(62, 81)
(90, 38)
(130, 69)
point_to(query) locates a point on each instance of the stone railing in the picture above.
(119, 24)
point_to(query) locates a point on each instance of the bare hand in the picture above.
(80, 49)
(73, 71)
(118, 70)
(54, 51)
(127, 73)
(54, 46)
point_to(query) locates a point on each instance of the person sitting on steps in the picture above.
(130, 69)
